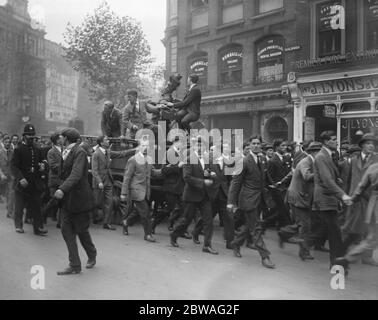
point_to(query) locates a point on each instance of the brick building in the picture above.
(242, 52)
(333, 82)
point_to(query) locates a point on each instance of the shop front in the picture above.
(346, 103)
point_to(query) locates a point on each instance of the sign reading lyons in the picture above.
(339, 86)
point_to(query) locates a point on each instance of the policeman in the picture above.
(27, 168)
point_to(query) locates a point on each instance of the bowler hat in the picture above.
(367, 137)
(268, 146)
(71, 133)
(29, 130)
(314, 146)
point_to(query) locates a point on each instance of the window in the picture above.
(270, 56)
(173, 53)
(269, 5)
(232, 10)
(172, 13)
(198, 64)
(231, 65)
(371, 24)
(199, 14)
(329, 39)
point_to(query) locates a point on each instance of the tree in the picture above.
(111, 51)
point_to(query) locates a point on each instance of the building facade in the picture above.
(37, 84)
(22, 70)
(333, 84)
(241, 50)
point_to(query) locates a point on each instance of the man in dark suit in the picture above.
(196, 197)
(328, 193)
(27, 169)
(247, 193)
(136, 188)
(102, 178)
(55, 162)
(279, 175)
(222, 164)
(173, 184)
(300, 198)
(77, 202)
(111, 120)
(190, 107)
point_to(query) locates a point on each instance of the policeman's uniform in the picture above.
(25, 164)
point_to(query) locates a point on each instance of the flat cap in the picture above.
(71, 133)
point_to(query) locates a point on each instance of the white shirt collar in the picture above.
(59, 148)
(191, 87)
(279, 156)
(102, 150)
(312, 157)
(255, 156)
(70, 146)
(364, 155)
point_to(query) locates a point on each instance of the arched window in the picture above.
(231, 66)
(270, 57)
(198, 64)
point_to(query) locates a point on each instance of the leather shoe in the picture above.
(321, 248)
(187, 236)
(108, 226)
(20, 230)
(149, 238)
(196, 240)
(125, 230)
(267, 263)
(209, 250)
(370, 261)
(69, 271)
(174, 242)
(40, 232)
(237, 253)
(91, 263)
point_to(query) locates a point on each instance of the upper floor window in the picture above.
(199, 14)
(173, 54)
(329, 39)
(172, 13)
(198, 64)
(270, 57)
(231, 66)
(269, 5)
(371, 24)
(232, 10)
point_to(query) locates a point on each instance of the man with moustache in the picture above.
(27, 168)
(247, 192)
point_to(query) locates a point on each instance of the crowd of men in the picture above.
(310, 193)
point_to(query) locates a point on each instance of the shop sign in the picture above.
(349, 57)
(340, 86)
(232, 60)
(372, 9)
(329, 111)
(199, 67)
(270, 48)
(359, 123)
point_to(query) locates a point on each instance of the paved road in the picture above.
(130, 268)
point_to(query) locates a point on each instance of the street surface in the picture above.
(130, 268)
